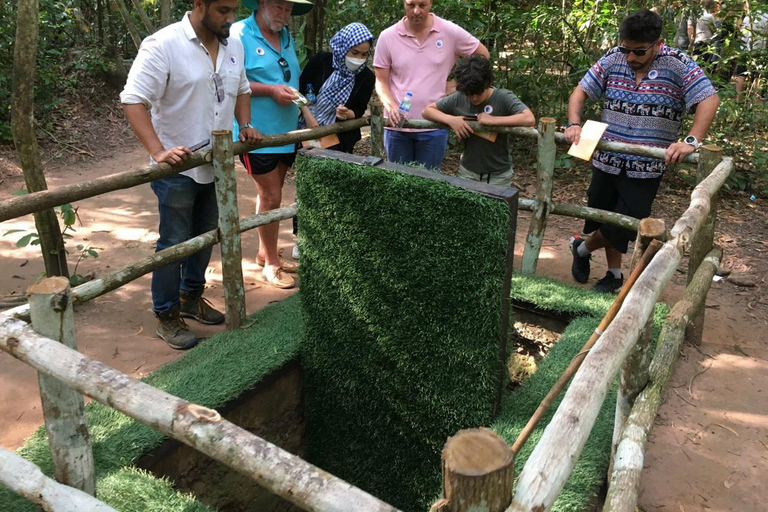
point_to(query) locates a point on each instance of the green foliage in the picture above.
(68, 216)
(215, 373)
(401, 292)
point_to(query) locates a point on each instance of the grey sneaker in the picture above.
(174, 331)
(194, 306)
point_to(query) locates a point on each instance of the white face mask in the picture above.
(353, 64)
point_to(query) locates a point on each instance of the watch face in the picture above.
(690, 140)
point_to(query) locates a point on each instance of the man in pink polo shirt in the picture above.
(415, 55)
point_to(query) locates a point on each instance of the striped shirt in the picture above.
(650, 113)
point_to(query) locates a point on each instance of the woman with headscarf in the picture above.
(342, 82)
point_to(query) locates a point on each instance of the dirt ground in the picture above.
(710, 441)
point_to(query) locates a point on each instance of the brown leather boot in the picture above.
(193, 305)
(173, 330)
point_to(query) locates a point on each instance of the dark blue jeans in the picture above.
(187, 209)
(426, 148)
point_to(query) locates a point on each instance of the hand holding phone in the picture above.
(200, 145)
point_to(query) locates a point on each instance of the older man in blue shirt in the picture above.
(273, 73)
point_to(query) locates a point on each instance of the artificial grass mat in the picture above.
(402, 282)
(214, 373)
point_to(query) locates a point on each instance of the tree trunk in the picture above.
(165, 12)
(144, 18)
(128, 22)
(25, 139)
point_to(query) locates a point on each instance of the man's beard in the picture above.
(221, 33)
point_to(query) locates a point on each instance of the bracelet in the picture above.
(572, 124)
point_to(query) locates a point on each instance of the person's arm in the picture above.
(243, 117)
(702, 119)
(141, 124)
(385, 94)
(309, 118)
(575, 108)
(457, 123)
(524, 118)
(482, 50)
(358, 101)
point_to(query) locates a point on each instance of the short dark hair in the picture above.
(474, 74)
(643, 26)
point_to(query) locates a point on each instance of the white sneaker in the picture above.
(295, 252)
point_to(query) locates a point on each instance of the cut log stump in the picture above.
(478, 473)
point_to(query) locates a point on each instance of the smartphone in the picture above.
(199, 145)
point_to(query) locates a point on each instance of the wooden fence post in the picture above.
(51, 311)
(633, 376)
(478, 473)
(704, 239)
(229, 228)
(377, 129)
(543, 202)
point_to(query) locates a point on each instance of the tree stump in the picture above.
(478, 472)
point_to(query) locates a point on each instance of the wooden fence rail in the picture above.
(625, 478)
(281, 472)
(26, 479)
(552, 461)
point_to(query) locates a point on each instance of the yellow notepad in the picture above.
(590, 136)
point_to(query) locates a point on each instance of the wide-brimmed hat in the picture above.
(300, 6)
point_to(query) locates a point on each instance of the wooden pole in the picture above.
(542, 204)
(132, 30)
(633, 376)
(478, 473)
(115, 279)
(283, 473)
(26, 480)
(51, 311)
(565, 436)
(573, 367)
(231, 249)
(25, 137)
(377, 129)
(625, 478)
(704, 239)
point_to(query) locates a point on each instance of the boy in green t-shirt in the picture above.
(486, 154)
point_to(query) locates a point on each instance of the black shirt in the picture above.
(318, 70)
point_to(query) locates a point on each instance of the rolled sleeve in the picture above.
(148, 76)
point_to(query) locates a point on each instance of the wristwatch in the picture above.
(572, 124)
(692, 141)
(246, 125)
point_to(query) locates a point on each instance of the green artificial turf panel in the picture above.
(401, 282)
(214, 373)
(549, 294)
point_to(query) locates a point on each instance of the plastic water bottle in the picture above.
(311, 94)
(404, 109)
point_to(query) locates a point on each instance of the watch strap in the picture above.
(568, 125)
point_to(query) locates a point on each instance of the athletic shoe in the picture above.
(580, 265)
(609, 284)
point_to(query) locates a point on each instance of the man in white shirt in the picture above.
(187, 80)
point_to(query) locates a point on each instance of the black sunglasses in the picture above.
(639, 53)
(284, 65)
(219, 86)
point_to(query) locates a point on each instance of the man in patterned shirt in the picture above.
(646, 88)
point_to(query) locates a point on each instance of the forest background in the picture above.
(540, 50)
